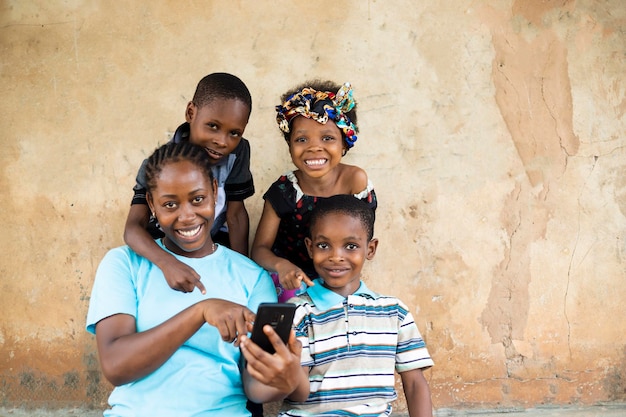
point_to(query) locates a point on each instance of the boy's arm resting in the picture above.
(417, 393)
(126, 355)
(178, 275)
(238, 226)
(289, 274)
(273, 377)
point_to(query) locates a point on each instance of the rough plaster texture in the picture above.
(493, 130)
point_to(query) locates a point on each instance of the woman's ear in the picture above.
(150, 203)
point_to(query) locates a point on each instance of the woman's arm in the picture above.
(417, 393)
(126, 355)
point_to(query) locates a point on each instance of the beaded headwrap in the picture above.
(320, 106)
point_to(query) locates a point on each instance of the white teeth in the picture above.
(190, 233)
(212, 152)
(315, 162)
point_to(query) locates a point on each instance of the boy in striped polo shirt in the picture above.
(353, 339)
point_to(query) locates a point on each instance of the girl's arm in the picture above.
(273, 377)
(417, 393)
(238, 226)
(178, 275)
(290, 275)
(126, 355)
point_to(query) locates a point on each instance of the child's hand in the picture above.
(280, 370)
(182, 277)
(291, 277)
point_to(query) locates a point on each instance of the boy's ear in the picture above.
(190, 112)
(371, 249)
(307, 243)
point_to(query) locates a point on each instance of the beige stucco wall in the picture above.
(493, 130)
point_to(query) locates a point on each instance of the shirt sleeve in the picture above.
(368, 195)
(301, 326)
(141, 187)
(411, 351)
(239, 184)
(282, 196)
(263, 292)
(113, 289)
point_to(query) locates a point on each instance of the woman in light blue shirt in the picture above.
(170, 353)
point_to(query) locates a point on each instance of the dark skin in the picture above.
(127, 356)
(218, 127)
(339, 246)
(417, 393)
(183, 201)
(309, 141)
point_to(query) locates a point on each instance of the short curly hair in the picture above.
(348, 205)
(221, 85)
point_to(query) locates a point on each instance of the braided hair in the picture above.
(176, 152)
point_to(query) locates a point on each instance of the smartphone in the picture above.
(277, 315)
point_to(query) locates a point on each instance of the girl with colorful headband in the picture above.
(318, 120)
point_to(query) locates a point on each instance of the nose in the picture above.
(336, 254)
(186, 213)
(315, 144)
(220, 140)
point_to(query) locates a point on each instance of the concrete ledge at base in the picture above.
(604, 410)
(609, 410)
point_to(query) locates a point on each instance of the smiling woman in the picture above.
(184, 202)
(158, 345)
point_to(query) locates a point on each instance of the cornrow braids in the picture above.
(176, 152)
(348, 205)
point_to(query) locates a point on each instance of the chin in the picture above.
(191, 247)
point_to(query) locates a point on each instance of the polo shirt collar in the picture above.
(324, 299)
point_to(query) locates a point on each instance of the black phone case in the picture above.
(277, 315)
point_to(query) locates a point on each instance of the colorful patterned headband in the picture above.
(320, 106)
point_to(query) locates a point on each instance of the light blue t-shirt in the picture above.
(202, 378)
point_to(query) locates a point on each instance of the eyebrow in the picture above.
(325, 131)
(345, 239)
(196, 191)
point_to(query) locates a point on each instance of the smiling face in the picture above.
(183, 201)
(339, 246)
(315, 148)
(217, 126)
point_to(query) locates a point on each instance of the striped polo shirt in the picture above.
(353, 346)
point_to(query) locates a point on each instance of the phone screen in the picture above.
(277, 315)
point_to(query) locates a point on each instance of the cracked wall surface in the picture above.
(494, 132)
